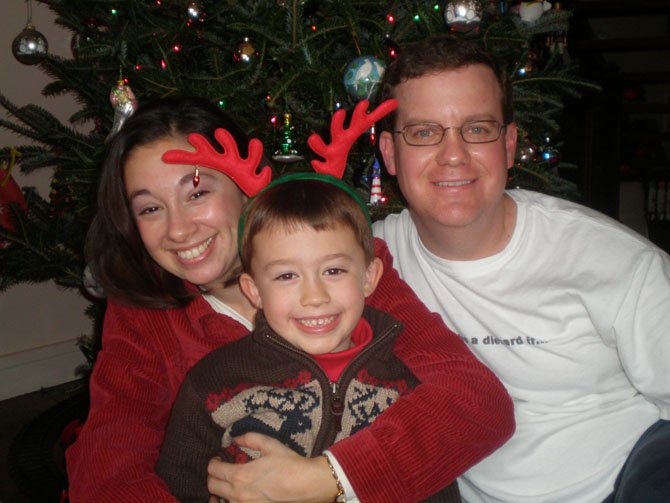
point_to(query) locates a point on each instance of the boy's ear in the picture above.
(248, 286)
(372, 276)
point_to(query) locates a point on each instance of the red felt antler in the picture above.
(336, 153)
(230, 163)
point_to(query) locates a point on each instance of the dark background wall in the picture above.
(620, 137)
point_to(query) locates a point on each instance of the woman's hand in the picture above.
(279, 475)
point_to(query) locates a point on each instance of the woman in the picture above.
(163, 244)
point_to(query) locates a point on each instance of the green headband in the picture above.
(304, 175)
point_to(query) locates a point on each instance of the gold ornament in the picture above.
(245, 51)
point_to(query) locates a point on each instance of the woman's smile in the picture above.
(196, 251)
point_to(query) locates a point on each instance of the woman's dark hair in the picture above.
(297, 203)
(114, 250)
(435, 54)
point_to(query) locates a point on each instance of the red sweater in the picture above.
(457, 415)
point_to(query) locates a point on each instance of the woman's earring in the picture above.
(196, 177)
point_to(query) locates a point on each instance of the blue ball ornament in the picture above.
(362, 76)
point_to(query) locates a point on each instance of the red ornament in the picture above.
(196, 178)
(10, 192)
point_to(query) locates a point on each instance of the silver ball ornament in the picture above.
(463, 15)
(195, 11)
(91, 285)
(30, 46)
(525, 153)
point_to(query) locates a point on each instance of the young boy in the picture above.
(319, 364)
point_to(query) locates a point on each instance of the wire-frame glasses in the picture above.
(427, 134)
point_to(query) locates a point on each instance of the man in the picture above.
(568, 307)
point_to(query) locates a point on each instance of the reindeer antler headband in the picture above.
(243, 171)
(230, 162)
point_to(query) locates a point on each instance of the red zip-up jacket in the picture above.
(459, 405)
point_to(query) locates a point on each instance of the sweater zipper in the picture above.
(336, 407)
(336, 400)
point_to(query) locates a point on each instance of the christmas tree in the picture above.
(281, 67)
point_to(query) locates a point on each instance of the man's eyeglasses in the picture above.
(425, 135)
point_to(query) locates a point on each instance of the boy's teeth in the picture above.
(194, 252)
(318, 322)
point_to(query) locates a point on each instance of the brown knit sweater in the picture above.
(262, 383)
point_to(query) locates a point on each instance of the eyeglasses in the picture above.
(427, 134)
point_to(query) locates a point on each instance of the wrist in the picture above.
(339, 496)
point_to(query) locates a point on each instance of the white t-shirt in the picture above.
(574, 317)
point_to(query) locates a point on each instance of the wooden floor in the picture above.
(17, 412)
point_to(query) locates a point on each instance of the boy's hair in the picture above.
(436, 54)
(299, 202)
(114, 249)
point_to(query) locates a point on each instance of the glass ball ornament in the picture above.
(245, 51)
(30, 46)
(362, 76)
(91, 284)
(195, 11)
(549, 152)
(463, 15)
(531, 64)
(525, 153)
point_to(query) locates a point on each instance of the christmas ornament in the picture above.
(531, 64)
(75, 44)
(245, 51)
(376, 196)
(557, 40)
(549, 152)
(91, 284)
(196, 12)
(463, 15)
(286, 151)
(525, 153)
(123, 100)
(10, 192)
(502, 6)
(30, 46)
(532, 11)
(362, 76)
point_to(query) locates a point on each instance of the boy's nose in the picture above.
(314, 292)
